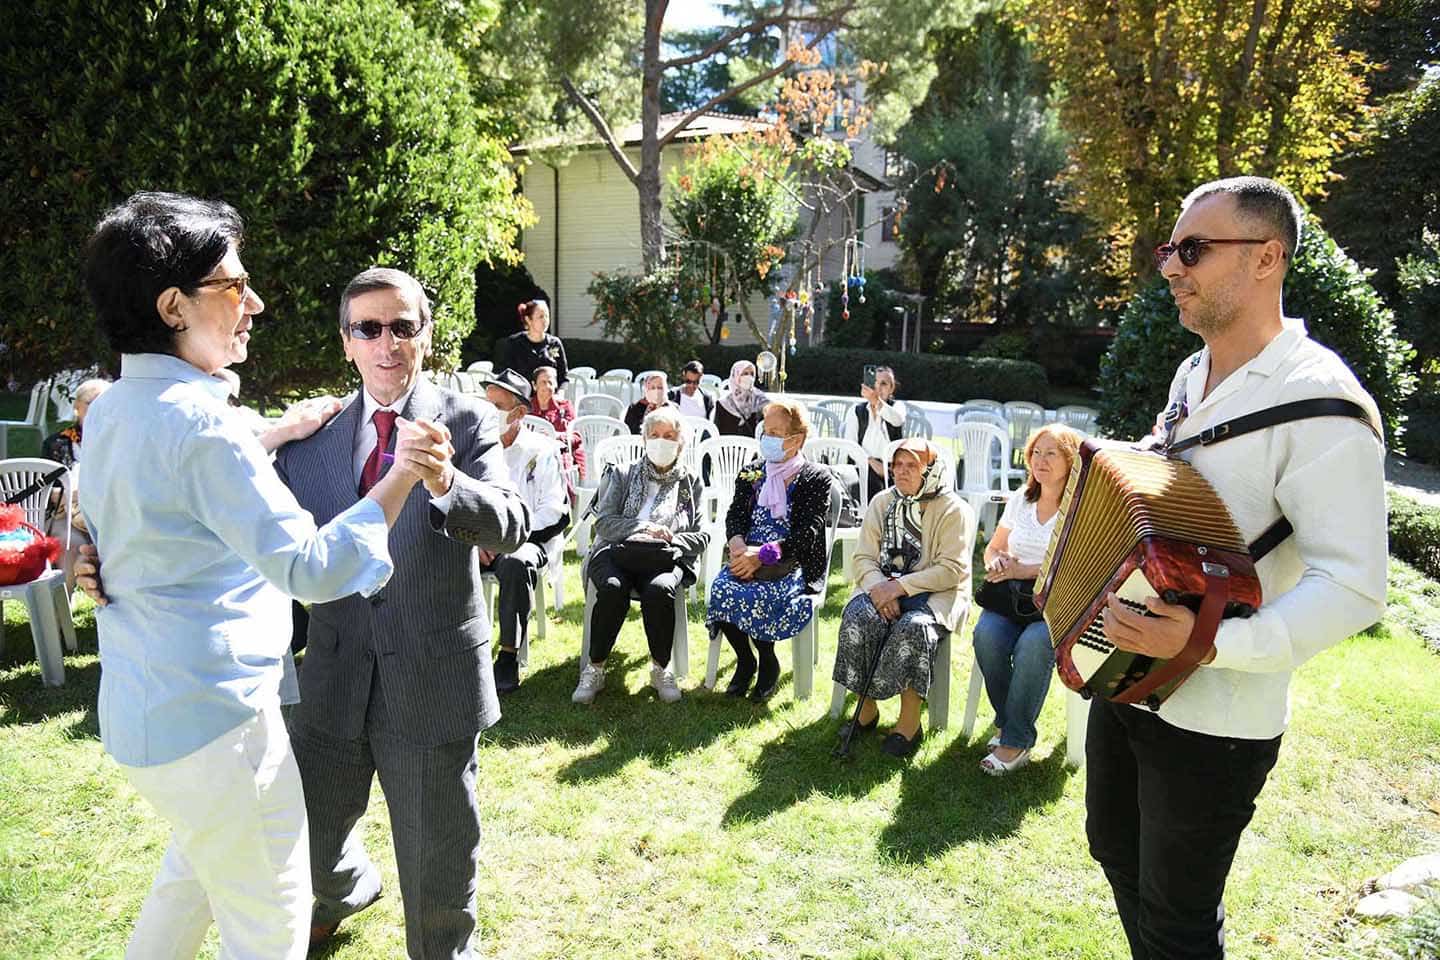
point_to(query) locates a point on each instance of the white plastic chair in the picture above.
(621, 449)
(616, 385)
(1024, 418)
(992, 406)
(581, 373)
(711, 383)
(728, 456)
(451, 381)
(540, 425)
(679, 654)
(826, 424)
(916, 424)
(45, 598)
(35, 416)
(481, 366)
(555, 571)
(697, 431)
(1081, 418)
(851, 462)
(1077, 714)
(805, 647)
(840, 408)
(938, 699)
(62, 391)
(601, 405)
(984, 478)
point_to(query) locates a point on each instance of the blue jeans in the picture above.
(1017, 663)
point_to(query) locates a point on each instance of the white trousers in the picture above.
(239, 852)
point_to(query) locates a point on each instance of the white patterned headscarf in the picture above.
(900, 544)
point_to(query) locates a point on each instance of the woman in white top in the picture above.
(1014, 650)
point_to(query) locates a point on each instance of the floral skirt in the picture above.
(767, 610)
(908, 657)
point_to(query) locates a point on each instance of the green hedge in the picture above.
(1415, 534)
(1422, 424)
(837, 370)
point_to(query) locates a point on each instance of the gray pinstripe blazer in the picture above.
(427, 629)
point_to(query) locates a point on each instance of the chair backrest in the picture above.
(836, 452)
(62, 391)
(541, 425)
(21, 472)
(823, 423)
(38, 410)
(982, 416)
(837, 407)
(728, 456)
(710, 382)
(619, 452)
(946, 460)
(581, 373)
(697, 431)
(916, 424)
(594, 430)
(450, 381)
(994, 406)
(982, 445)
(616, 385)
(644, 375)
(835, 510)
(1081, 418)
(481, 366)
(619, 372)
(601, 404)
(1024, 419)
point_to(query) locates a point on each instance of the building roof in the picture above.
(706, 125)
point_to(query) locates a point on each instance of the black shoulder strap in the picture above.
(35, 487)
(1273, 416)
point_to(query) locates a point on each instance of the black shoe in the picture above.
(507, 673)
(739, 683)
(897, 746)
(763, 692)
(860, 727)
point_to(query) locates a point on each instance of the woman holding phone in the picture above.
(876, 421)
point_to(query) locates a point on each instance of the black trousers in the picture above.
(1165, 808)
(517, 574)
(612, 603)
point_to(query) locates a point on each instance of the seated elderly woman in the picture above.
(776, 529)
(1012, 642)
(912, 577)
(741, 405)
(647, 539)
(546, 404)
(655, 397)
(64, 447)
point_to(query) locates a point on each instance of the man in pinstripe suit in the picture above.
(400, 684)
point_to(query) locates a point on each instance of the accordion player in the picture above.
(1137, 523)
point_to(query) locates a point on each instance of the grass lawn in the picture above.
(713, 828)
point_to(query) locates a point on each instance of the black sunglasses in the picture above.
(1191, 247)
(402, 329)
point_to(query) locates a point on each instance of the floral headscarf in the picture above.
(739, 401)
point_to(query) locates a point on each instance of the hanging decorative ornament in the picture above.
(725, 332)
(845, 314)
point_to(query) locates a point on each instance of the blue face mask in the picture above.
(772, 448)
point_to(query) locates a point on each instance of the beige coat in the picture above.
(947, 538)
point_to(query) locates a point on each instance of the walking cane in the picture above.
(842, 752)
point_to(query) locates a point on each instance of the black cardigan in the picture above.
(809, 516)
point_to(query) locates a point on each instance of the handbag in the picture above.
(776, 571)
(1013, 599)
(644, 557)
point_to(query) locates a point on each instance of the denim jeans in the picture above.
(1017, 662)
(1165, 809)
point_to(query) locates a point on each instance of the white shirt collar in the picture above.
(371, 404)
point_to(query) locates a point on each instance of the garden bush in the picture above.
(1415, 534)
(1422, 424)
(343, 135)
(837, 370)
(1324, 287)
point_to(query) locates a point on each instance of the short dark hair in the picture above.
(382, 278)
(1259, 198)
(694, 366)
(143, 247)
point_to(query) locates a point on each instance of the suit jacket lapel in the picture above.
(337, 452)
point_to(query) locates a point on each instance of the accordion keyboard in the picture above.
(1091, 649)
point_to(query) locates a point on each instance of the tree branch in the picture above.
(739, 88)
(598, 122)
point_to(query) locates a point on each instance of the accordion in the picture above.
(1137, 524)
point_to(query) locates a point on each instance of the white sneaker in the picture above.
(592, 681)
(663, 680)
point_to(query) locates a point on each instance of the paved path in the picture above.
(1417, 481)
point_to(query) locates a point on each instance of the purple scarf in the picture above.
(777, 478)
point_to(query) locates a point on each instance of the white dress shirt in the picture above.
(1324, 582)
(1029, 538)
(692, 406)
(533, 461)
(367, 436)
(876, 438)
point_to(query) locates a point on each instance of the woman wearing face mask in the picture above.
(776, 529)
(655, 397)
(912, 583)
(647, 539)
(741, 405)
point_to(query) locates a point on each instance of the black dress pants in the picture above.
(1165, 808)
(612, 603)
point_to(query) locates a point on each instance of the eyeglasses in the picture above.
(1191, 247)
(402, 329)
(691, 383)
(236, 286)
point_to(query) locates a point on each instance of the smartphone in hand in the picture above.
(868, 378)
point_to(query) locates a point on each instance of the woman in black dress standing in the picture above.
(533, 347)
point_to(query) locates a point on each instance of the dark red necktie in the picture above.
(384, 421)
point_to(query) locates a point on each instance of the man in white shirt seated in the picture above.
(692, 401)
(876, 421)
(533, 461)
(1169, 793)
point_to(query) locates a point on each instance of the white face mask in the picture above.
(655, 395)
(662, 452)
(747, 381)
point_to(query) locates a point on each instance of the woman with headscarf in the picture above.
(741, 406)
(647, 539)
(656, 395)
(912, 579)
(776, 529)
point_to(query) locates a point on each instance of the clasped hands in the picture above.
(744, 559)
(886, 596)
(424, 450)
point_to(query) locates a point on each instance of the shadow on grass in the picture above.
(624, 725)
(950, 801)
(25, 700)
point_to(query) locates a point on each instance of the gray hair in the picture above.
(1262, 199)
(382, 278)
(90, 389)
(666, 414)
(658, 374)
